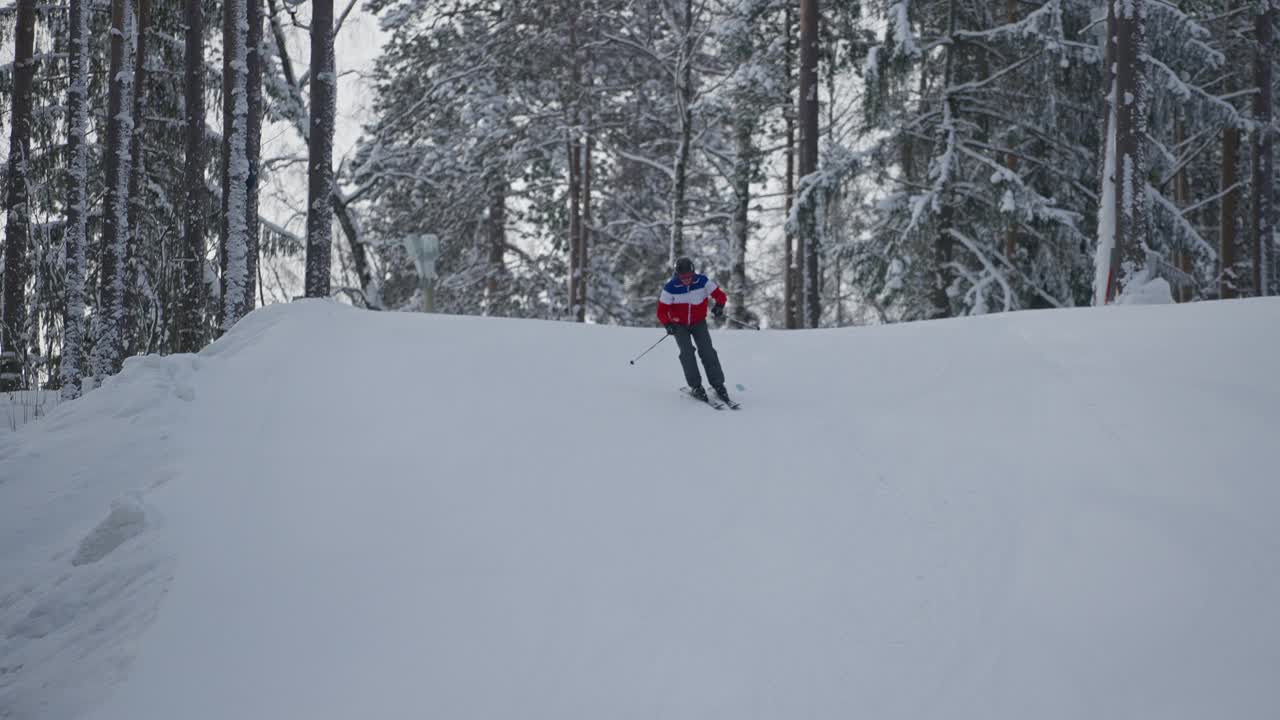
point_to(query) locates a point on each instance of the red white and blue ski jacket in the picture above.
(687, 304)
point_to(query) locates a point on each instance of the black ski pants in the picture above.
(686, 338)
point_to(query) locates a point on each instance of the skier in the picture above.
(682, 310)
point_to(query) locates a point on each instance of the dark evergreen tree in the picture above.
(109, 318)
(190, 275)
(13, 319)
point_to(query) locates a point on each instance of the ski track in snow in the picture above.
(331, 514)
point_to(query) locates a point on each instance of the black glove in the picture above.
(718, 310)
(671, 328)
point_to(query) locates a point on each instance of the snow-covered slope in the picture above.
(337, 514)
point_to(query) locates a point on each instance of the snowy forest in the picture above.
(829, 162)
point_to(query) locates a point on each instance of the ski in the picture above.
(731, 404)
(734, 404)
(714, 402)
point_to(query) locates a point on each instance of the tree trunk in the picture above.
(585, 97)
(742, 172)
(497, 229)
(235, 170)
(1131, 132)
(573, 149)
(809, 156)
(277, 30)
(1106, 254)
(320, 184)
(108, 351)
(253, 150)
(579, 175)
(133, 332)
(1011, 160)
(1234, 280)
(790, 287)
(684, 111)
(17, 210)
(584, 233)
(1123, 229)
(75, 240)
(1182, 198)
(228, 120)
(575, 220)
(191, 273)
(1228, 243)
(358, 255)
(943, 243)
(339, 202)
(1263, 155)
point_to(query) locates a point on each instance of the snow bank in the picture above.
(1058, 514)
(24, 406)
(1147, 291)
(83, 559)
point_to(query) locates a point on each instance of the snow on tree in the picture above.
(109, 318)
(235, 158)
(77, 205)
(1124, 243)
(979, 132)
(755, 85)
(562, 151)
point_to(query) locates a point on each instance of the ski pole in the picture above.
(646, 352)
(745, 325)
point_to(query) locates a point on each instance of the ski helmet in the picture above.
(684, 265)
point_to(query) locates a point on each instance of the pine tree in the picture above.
(190, 326)
(320, 150)
(109, 318)
(1263, 180)
(135, 240)
(13, 321)
(75, 237)
(1123, 238)
(235, 162)
(808, 114)
(790, 267)
(1130, 101)
(755, 86)
(964, 88)
(284, 87)
(253, 149)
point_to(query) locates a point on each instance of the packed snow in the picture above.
(333, 513)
